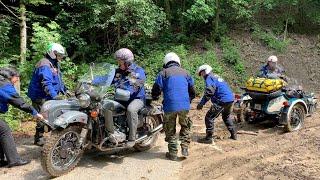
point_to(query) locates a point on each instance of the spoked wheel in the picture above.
(295, 119)
(151, 123)
(61, 153)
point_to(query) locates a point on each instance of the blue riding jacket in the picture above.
(131, 80)
(9, 95)
(177, 87)
(46, 82)
(217, 90)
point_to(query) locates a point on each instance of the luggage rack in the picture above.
(262, 95)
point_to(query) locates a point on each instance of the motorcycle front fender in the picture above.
(70, 117)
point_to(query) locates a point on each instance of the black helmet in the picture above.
(8, 72)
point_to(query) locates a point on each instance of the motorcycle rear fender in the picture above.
(285, 112)
(70, 117)
(152, 110)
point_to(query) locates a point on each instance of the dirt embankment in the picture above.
(301, 60)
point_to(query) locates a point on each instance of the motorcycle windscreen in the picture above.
(98, 78)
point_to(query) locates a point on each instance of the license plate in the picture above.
(257, 106)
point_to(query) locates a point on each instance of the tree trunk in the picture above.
(215, 23)
(167, 8)
(217, 19)
(285, 30)
(23, 32)
(118, 33)
(183, 24)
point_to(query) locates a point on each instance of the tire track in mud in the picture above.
(272, 154)
(129, 165)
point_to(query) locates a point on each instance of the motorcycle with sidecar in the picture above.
(79, 123)
(287, 106)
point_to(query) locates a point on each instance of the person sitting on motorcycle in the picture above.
(178, 91)
(47, 84)
(131, 77)
(222, 99)
(8, 95)
(271, 70)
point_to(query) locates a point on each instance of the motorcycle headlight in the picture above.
(84, 100)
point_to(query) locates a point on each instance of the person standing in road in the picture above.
(178, 91)
(8, 95)
(47, 84)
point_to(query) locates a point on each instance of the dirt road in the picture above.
(269, 155)
(125, 165)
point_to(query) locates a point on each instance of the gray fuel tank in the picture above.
(54, 108)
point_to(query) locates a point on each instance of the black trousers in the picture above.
(225, 109)
(7, 146)
(37, 104)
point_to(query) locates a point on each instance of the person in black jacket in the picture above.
(8, 95)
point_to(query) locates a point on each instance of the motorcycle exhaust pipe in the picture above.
(153, 131)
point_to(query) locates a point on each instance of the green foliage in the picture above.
(190, 61)
(231, 55)
(200, 11)
(8, 42)
(42, 37)
(240, 9)
(146, 19)
(12, 117)
(270, 40)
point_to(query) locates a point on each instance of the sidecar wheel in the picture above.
(295, 118)
(61, 154)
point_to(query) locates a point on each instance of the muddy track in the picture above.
(271, 154)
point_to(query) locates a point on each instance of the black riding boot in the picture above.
(38, 137)
(233, 133)
(208, 139)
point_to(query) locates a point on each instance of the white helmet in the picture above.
(206, 68)
(272, 59)
(171, 57)
(55, 48)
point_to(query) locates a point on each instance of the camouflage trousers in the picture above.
(170, 130)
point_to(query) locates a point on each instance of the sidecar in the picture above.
(287, 108)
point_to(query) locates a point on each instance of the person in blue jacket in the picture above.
(8, 152)
(47, 84)
(272, 70)
(131, 78)
(222, 97)
(178, 91)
